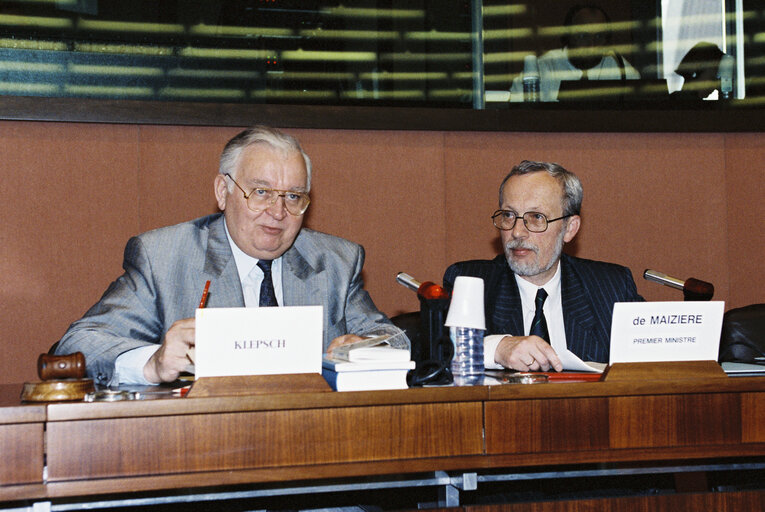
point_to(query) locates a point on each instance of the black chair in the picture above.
(743, 334)
(431, 347)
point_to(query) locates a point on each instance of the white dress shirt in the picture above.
(128, 367)
(553, 310)
(246, 265)
(555, 67)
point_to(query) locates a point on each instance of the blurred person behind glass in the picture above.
(586, 55)
(701, 72)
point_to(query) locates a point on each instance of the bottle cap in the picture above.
(466, 308)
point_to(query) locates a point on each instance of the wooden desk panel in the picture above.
(675, 420)
(542, 426)
(163, 445)
(168, 444)
(624, 422)
(21, 438)
(753, 417)
(21, 453)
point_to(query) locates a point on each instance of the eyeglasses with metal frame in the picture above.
(260, 198)
(535, 222)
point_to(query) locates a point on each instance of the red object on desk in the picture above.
(572, 376)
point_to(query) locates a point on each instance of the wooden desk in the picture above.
(21, 446)
(167, 444)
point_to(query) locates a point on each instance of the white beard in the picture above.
(533, 268)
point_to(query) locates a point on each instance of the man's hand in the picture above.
(527, 353)
(171, 358)
(343, 340)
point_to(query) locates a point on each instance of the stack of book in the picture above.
(367, 365)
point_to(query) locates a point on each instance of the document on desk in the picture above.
(258, 341)
(571, 362)
(383, 348)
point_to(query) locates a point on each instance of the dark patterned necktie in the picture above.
(539, 325)
(267, 294)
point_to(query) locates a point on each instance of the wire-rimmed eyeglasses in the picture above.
(534, 221)
(260, 198)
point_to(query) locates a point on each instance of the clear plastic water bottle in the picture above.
(530, 79)
(467, 364)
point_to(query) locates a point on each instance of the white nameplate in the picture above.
(258, 341)
(666, 331)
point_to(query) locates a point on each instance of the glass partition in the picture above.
(444, 54)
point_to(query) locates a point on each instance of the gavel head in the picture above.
(50, 367)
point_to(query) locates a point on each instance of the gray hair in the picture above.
(229, 158)
(572, 187)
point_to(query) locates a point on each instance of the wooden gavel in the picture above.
(61, 378)
(50, 367)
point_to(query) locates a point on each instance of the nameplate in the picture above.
(258, 341)
(665, 331)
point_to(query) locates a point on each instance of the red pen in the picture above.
(203, 301)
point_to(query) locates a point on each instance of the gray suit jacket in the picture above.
(165, 272)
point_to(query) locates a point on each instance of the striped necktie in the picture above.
(267, 294)
(539, 325)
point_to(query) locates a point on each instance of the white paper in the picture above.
(258, 341)
(571, 362)
(666, 331)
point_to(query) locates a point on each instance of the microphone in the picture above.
(431, 347)
(693, 289)
(426, 290)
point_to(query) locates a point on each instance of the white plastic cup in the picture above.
(466, 308)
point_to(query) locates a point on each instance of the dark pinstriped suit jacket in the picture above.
(589, 290)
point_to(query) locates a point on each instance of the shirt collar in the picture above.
(244, 262)
(528, 290)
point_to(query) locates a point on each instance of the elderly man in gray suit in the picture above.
(256, 253)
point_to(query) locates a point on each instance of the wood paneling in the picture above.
(73, 193)
(21, 453)
(542, 426)
(753, 417)
(21, 440)
(174, 444)
(166, 444)
(674, 420)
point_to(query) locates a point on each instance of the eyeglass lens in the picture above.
(534, 221)
(262, 198)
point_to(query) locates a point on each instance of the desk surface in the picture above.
(163, 444)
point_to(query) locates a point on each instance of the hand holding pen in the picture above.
(176, 354)
(191, 353)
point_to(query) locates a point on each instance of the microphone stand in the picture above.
(434, 303)
(693, 289)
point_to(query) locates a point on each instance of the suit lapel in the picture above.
(504, 299)
(220, 268)
(578, 317)
(302, 283)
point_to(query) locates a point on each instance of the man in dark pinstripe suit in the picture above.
(539, 301)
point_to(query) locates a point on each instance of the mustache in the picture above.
(521, 244)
